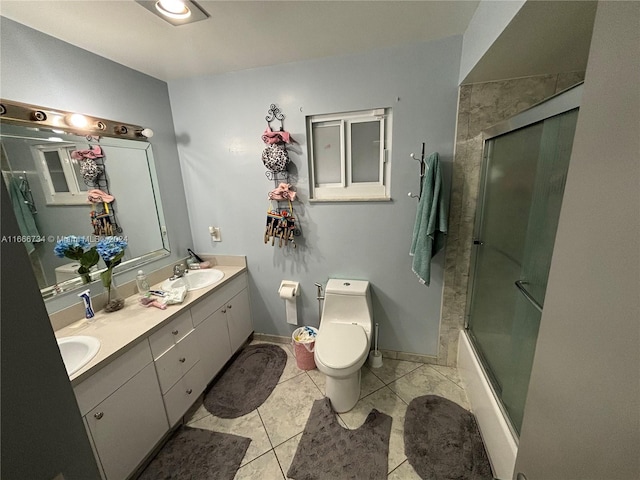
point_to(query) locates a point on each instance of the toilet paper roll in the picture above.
(291, 310)
(287, 292)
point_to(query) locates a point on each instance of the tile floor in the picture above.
(276, 426)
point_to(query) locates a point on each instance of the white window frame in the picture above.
(346, 189)
(75, 196)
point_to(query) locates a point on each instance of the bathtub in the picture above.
(501, 443)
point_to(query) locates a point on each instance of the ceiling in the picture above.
(239, 34)
(544, 37)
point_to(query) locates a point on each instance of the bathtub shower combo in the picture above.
(523, 175)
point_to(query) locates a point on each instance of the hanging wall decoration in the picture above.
(281, 222)
(94, 174)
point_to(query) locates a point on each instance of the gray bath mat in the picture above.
(327, 450)
(248, 381)
(442, 441)
(196, 454)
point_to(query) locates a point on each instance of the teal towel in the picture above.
(26, 223)
(431, 221)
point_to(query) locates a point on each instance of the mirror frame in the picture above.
(45, 119)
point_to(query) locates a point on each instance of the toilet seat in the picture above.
(341, 345)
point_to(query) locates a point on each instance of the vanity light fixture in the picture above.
(60, 121)
(175, 12)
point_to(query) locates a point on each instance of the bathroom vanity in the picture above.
(152, 366)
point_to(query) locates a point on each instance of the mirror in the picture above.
(49, 182)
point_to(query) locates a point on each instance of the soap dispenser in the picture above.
(142, 283)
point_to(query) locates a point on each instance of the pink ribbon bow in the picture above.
(97, 196)
(283, 192)
(94, 152)
(270, 137)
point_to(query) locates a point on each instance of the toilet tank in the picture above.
(348, 301)
(69, 271)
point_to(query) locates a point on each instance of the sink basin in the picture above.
(195, 279)
(77, 351)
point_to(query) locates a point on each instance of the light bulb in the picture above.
(76, 120)
(147, 132)
(173, 8)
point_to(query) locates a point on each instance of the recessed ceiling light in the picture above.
(173, 8)
(176, 12)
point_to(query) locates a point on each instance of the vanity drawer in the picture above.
(177, 361)
(217, 299)
(170, 334)
(183, 394)
(108, 379)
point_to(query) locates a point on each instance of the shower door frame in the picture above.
(558, 104)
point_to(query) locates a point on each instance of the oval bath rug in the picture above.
(442, 441)
(248, 381)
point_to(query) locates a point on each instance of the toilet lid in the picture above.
(341, 345)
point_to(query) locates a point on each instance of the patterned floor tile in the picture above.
(393, 369)
(285, 412)
(427, 381)
(249, 426)
(264, 467)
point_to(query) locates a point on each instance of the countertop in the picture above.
(119, 331)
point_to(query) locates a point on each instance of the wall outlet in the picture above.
(215, 234)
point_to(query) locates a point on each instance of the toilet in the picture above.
(69, 271)
(343, 341)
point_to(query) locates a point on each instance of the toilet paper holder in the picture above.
(287, 285)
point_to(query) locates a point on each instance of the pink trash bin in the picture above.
(303, 349)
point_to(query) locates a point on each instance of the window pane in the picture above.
(326, 153)
(55, 170)
(365, 152)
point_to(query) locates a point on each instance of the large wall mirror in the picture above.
(41, 167)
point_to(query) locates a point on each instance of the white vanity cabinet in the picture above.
(176, 356)
(223, 323)
(133, 401)
(123, 411)
(239, 321)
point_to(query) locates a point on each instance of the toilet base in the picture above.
(343, 393)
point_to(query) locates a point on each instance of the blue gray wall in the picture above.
(42, 70)
(218, 122)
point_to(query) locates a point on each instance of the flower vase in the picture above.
(115, 301)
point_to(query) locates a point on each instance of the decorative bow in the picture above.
(270, 137)
(97, 196)
(283, 192)
(95, 152)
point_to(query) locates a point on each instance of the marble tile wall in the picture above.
(480, 106)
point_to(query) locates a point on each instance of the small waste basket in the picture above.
(304, 339)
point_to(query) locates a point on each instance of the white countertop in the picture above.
(119, 331)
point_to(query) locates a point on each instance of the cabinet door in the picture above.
(213, 343)
(239, 319)
(127, 425)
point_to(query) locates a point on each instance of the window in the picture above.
(60, 174)
(348, 155)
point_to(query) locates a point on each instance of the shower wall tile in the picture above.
(480, 106)
(464, 103)
(566, 80)
(493, 102)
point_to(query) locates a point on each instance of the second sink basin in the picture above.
(195, 279)
(77, 351)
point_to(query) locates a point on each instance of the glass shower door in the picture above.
(524, 174)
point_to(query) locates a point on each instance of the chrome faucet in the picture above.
(178, 271)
